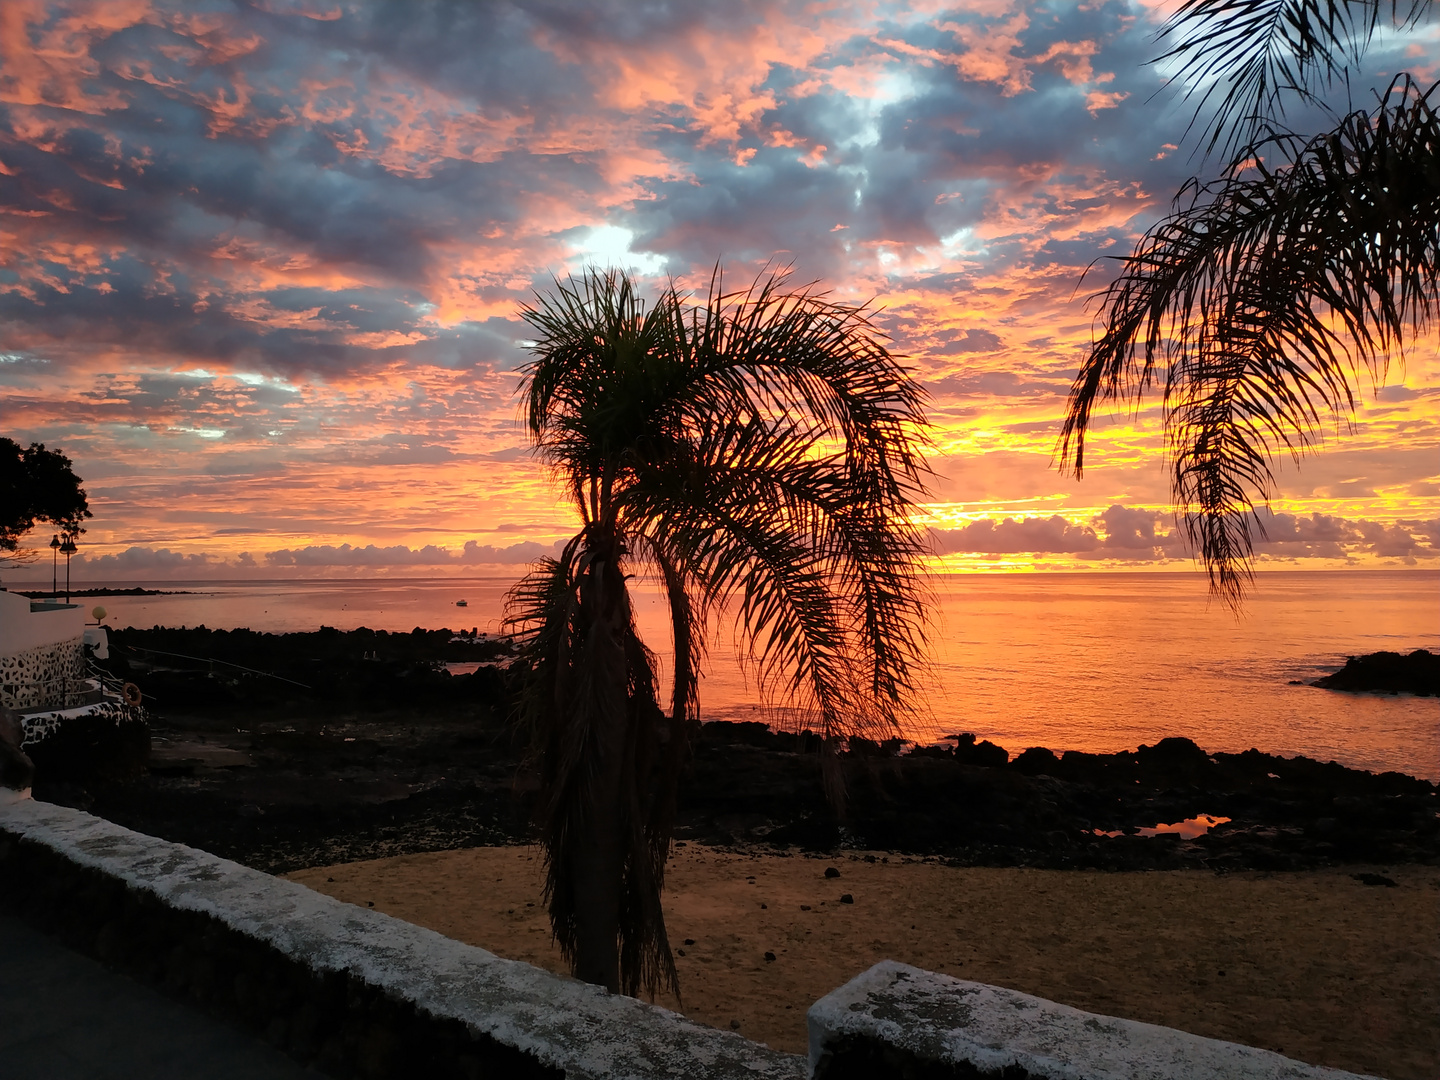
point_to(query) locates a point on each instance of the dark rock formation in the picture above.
(1388, 673)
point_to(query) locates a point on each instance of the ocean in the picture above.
(1098, 662)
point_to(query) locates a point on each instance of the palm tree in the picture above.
(755, 454)
(1265, 293)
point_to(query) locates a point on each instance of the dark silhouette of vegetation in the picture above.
(1258, 302)
(37, 485)
(757, 454)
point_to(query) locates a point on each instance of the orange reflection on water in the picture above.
(1188, 829)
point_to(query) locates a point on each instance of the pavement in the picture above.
(64, 1016)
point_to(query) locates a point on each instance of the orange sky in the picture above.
(259, 266)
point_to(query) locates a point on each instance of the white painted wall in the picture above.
(22, 629)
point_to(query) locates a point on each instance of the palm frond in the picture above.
(1264, 295)
(1244, 58)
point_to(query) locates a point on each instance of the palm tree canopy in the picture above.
(764, 444)
(758, 453)
(1264, 294)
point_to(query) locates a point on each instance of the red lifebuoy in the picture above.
(131, 693)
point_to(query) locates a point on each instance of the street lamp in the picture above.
(54, 566)
(69, 548)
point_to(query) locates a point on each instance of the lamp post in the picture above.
(69, 548)
(54, 566)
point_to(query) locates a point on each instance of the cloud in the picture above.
(370, 555)
(138, 559)
(1129, 529)
(1137, 534)
(1009, 536)
(261, 265)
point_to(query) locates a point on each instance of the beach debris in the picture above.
(831, 872)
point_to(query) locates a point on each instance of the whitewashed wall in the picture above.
(22, 630)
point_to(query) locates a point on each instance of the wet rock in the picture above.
(831, 872)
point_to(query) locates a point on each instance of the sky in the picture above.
(261, 264)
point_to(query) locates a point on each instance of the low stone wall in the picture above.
(900, 1021)
(358, 993)
(349, 990)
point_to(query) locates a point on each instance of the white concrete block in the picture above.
(935, 1023)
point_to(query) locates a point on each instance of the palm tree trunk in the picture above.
(598, 858)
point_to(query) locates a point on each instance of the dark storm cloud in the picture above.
(951, 153)
(216, 167)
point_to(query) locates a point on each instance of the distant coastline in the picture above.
(47, 594)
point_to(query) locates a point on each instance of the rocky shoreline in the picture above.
(287, 751)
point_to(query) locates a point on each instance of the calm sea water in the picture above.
(1098, 662)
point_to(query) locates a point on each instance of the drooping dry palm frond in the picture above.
(1264, 295)
(755, 451)
(1244, 58)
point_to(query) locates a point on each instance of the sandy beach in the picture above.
(1313, 964)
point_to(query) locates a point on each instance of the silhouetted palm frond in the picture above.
(1244, 57)
(1264, 294)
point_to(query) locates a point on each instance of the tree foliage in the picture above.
(37, 485)
(757, 455)
(1260, 300)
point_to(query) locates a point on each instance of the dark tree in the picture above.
(757, 451)
(37, 486)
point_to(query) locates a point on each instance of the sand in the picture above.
(1312, 964)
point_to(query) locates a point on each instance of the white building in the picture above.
(45, 671)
